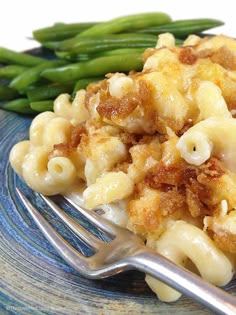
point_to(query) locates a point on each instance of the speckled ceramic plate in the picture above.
(35, 280)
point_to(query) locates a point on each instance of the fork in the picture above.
(125, 251)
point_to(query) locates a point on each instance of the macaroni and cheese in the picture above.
(155, 150)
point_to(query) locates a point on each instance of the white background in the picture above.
(19, 17)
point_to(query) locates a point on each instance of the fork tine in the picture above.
(87, 237)
(67, 252)
(100, 222)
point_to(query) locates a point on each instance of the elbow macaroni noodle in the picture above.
(49, 177)
(212, 136)
(183, 241)
(75, 112)
(155, 150)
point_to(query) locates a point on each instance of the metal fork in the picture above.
(125, 251)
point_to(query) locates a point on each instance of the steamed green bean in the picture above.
(11, 71)
(60, 31)
(42, 106)
(32, 75)
(128, 23)
(21, 105)
(98, 43)
(19, 58)
(95, 67)
(182, 28)
(85, 57)
(73, 56)
(49, 91)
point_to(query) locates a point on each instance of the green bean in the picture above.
(95, 67)
(21, 105)
(182, 28)
(52, 45)
(98, 43)
(129, 22)
(42, 106)
(32, 75)
(19, 58)
(49, 91)
(126, 51)
(7, 93)
(84, 57)
(11, 71)
(60, 31)
(122, 51)
(72, 56)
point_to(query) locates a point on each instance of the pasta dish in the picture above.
(155, 150)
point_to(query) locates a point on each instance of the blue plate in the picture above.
(35, 280)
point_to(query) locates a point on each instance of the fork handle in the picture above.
(185, 282)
